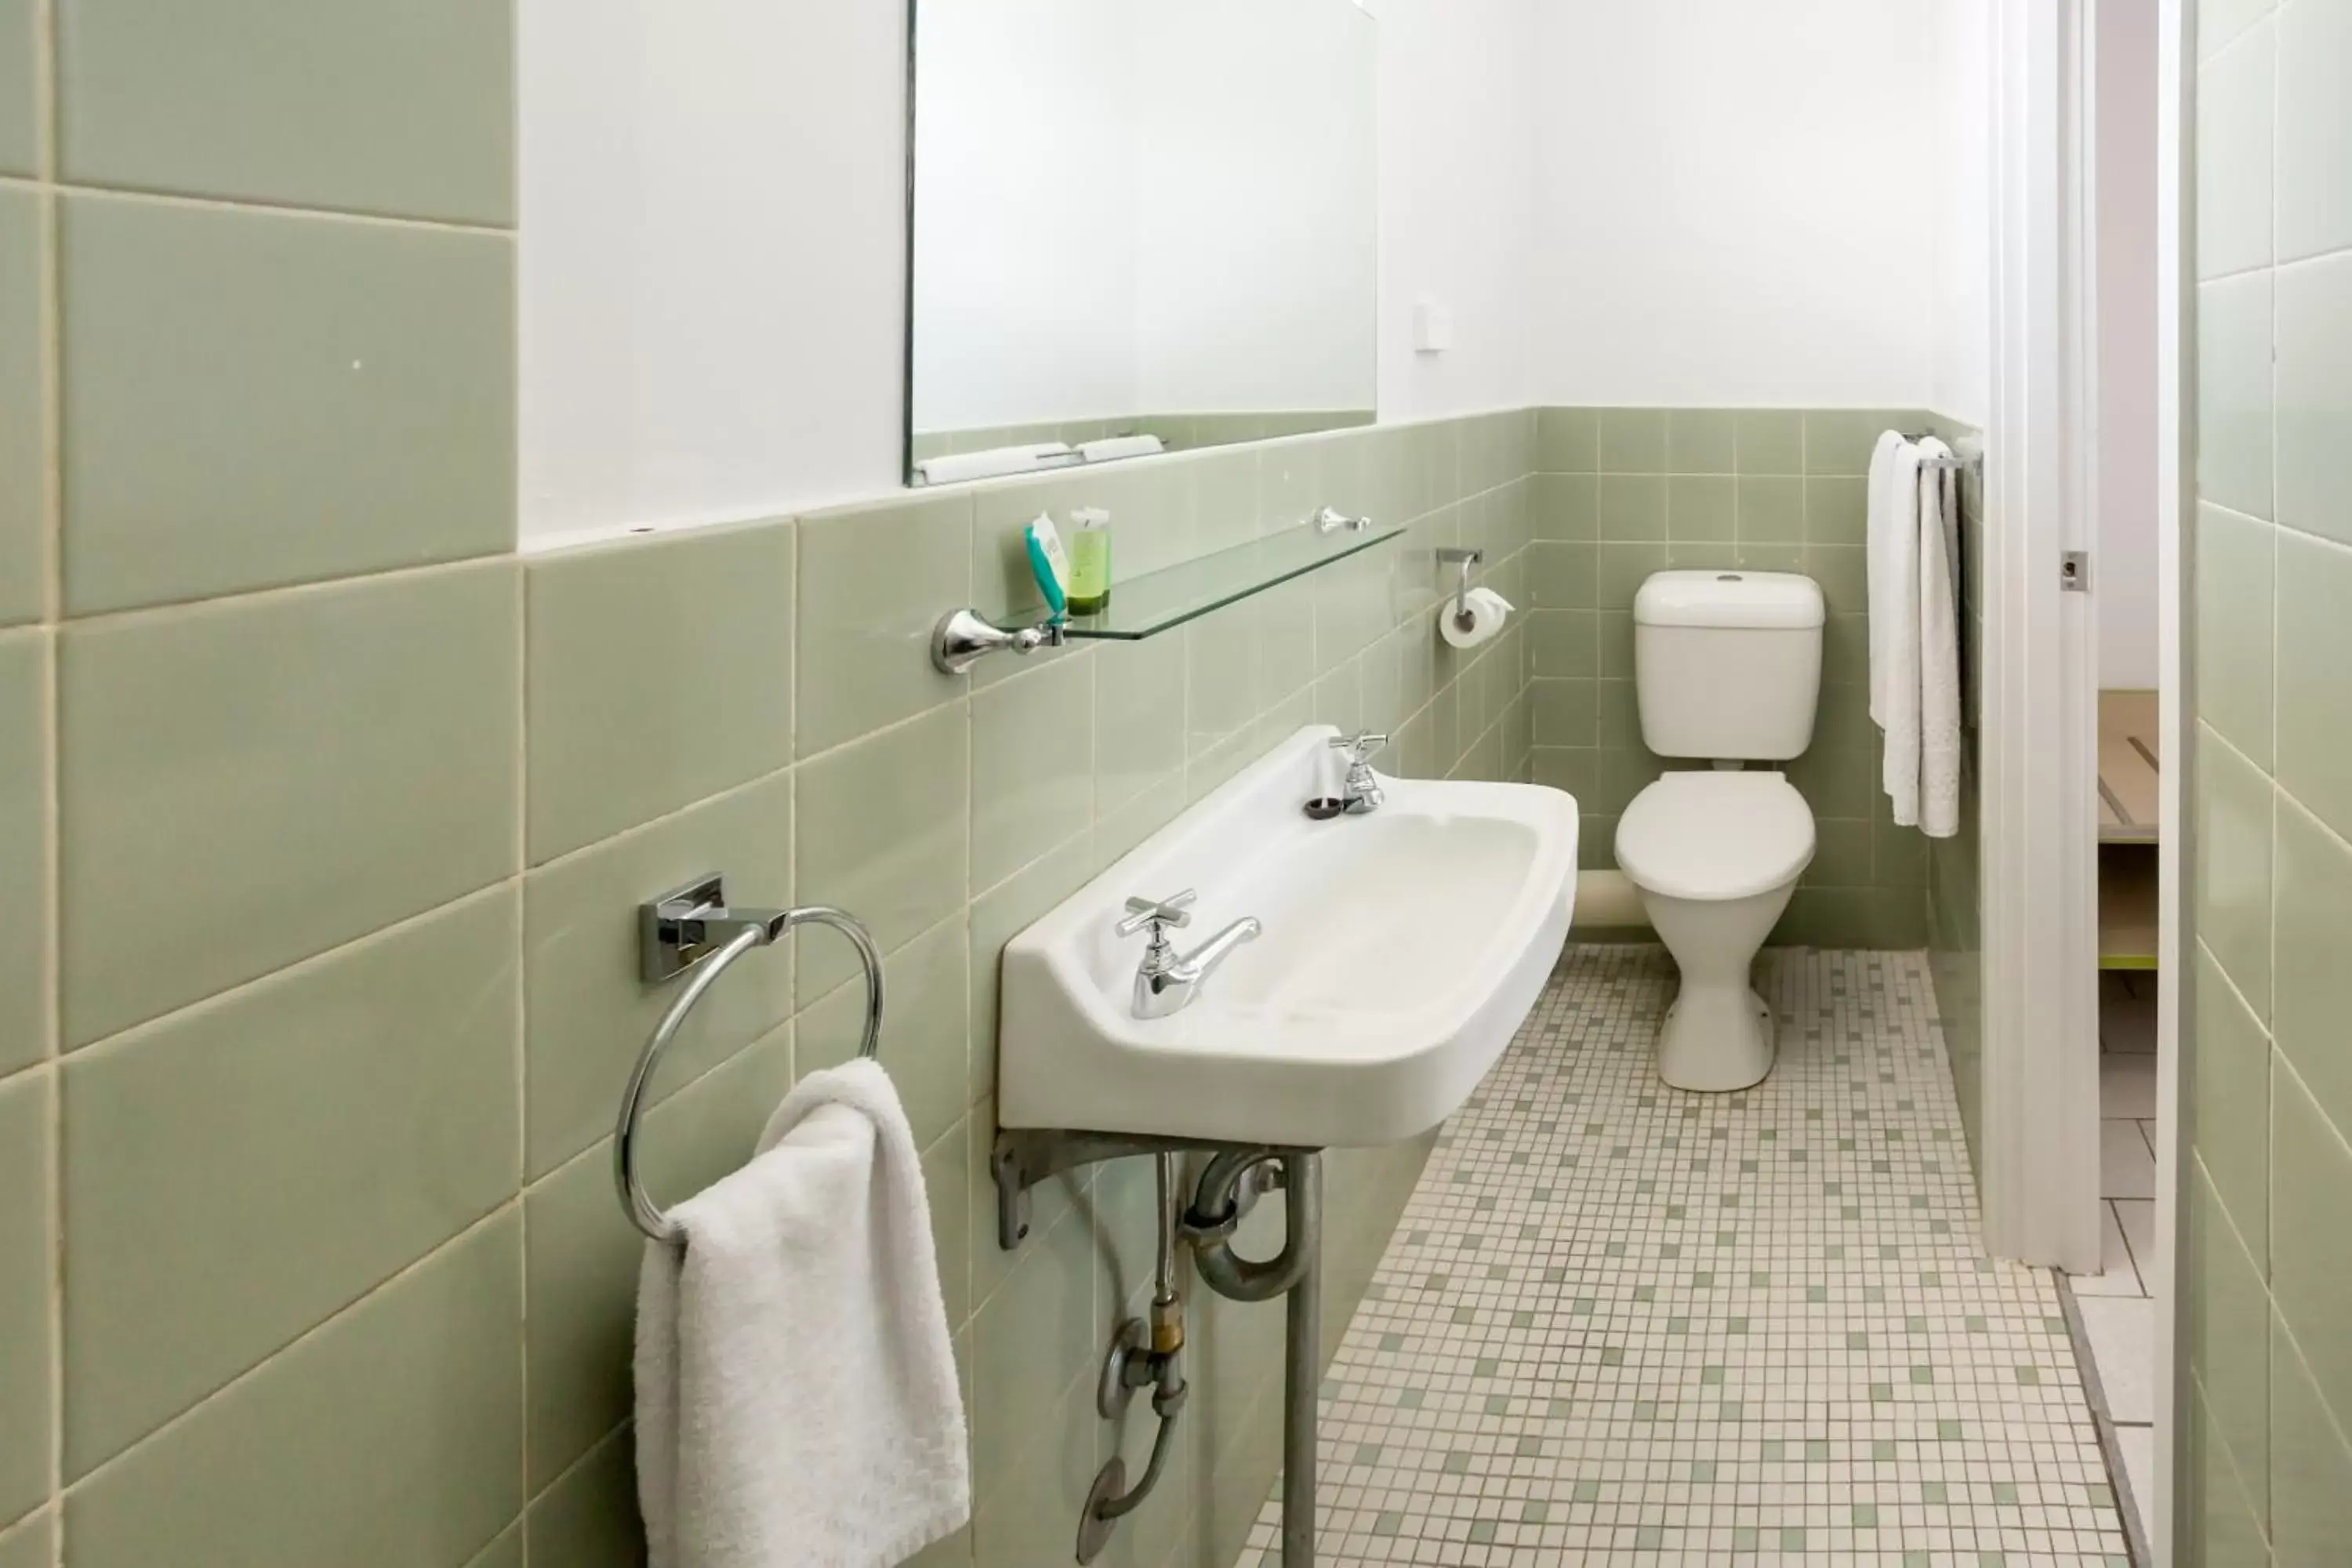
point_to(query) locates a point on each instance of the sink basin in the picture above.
(1402, 951)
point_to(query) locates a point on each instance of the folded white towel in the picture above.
(1111, 446)
(996, 461)
(1939, 650)
(1894, 577)
(1890, 524)
(797, 1404)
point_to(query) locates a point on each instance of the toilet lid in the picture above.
(1715, 834)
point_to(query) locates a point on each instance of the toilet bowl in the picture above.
(1715, 856)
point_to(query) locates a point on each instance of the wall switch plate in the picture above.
(1432, 327)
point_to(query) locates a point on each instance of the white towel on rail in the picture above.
(797, 1404)
(1893, 566)
(1939, 647)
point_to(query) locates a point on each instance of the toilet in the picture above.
(1726, 671)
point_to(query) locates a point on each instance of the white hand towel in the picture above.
(797, 1404)
(1893, 574)
(996, 461)
(1889, 523)
(1940, 650)
(1111, 446)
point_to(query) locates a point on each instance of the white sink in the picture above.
(1402, 951)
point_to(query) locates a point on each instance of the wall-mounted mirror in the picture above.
(1140, 225)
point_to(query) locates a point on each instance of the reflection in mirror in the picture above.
(1140, 225)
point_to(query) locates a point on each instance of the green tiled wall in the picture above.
(326, 814)
(2266, 1285)
(1623, 492)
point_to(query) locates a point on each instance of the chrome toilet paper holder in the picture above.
(1456, 555)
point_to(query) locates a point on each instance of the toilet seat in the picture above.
(1712, 835)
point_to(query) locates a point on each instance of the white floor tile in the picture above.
(1621, 1325)
(2116, 1277)
(2137, 1216)
(2138, 1445)
(2123, 1347)
(2126, 1169)
(2127, 1085)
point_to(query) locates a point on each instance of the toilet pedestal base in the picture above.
(1717, 1039)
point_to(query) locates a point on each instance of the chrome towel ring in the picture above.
(693, 929)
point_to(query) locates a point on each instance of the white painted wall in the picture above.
(1736, 204)
(1027, 241)
(713, 245)
(2123, 585)
(1257, 222)
(1962, 299)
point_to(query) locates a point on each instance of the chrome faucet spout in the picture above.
(1167, 982)
(1201, 962)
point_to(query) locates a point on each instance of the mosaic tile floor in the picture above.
(1619, 1324)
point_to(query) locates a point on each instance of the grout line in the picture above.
(275, 591)
(262, 204)
(483, 1222)
(522, 1044)
(45, 93)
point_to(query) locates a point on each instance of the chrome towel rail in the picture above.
(691, 928)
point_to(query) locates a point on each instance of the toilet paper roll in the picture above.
(1488, 611)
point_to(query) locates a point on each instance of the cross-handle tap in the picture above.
(1361, 792)
(1167, 982)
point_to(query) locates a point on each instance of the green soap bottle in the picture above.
(1090, 562)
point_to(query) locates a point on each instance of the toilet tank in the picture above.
(1728, 665)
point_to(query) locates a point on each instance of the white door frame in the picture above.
(2039, 1139)
(2175, 207)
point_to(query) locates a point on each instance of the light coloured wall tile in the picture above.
(2311, 1469)
(23, 450)
(20, 53)
(2228, 1313)
(1566, 506)
(2234, 114)
(238, 1173)
(246, 783)
(2314, 127)
(253, 398)
(883, 831)
(587, 1013)
(1000, 913)
(1771, 441)
(927, 1038)
(582, 1254)
(29, 1543)
(1031, 1341)
(27, 1275)
(2233, 394)
(1033, 747)
(2232, 799)
(1138, 723)
(1567, 441)
(1633, 507)
(1772, 511)
(588, 1518)
(2314, 396)
(2236, 576)
(1841, 440)
(660, 673)
(404, 109)
(2229, 1094)
(2311, 989)
(506, 1552)
(874, 583)
(2311, 1248)
(1702, 441)
(2220, 21)
(27, 945)
(1632, 440)
(391, 1467)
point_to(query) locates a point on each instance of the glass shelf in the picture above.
(1159, 601)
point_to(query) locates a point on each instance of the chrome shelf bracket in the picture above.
(964, 637)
